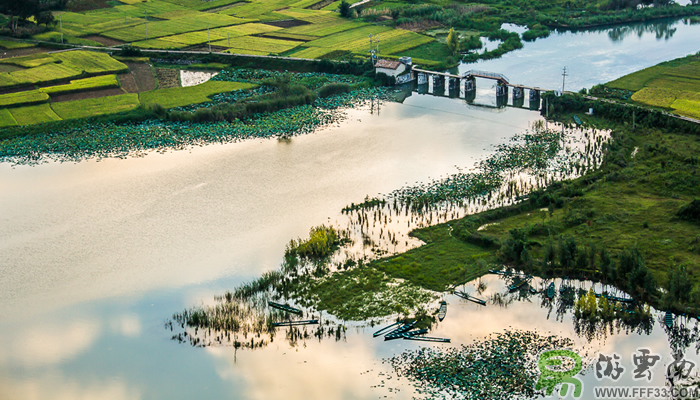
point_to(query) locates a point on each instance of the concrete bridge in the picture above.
(452, 81)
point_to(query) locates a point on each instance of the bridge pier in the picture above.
(534, 95)
(501, 90)
(422, 79)
(470, 85)
(438, 80)
(534, 99)
(518, 93)
(453, 87)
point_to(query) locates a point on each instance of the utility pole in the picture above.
(60, 21)
(145, 16)
(377, 52)
(209, 38)
(563, 80)
(371, 51)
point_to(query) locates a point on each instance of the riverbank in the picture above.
(632, 222)
(281, 105)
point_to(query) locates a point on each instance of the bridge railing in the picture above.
(492, 75)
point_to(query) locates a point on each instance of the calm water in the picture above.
(95, 256)
(594, 56)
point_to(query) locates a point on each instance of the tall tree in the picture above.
(19, 10)
(453, 41)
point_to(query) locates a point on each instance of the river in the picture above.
(95, 256)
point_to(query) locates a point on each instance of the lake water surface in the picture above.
(96, 256)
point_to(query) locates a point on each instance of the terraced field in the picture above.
(34, 114)
(178, 97)
(92, 107)
(44, 68)
(673, 85)
(258, 27)
(23, 98)
(79, 85)
(200, 37)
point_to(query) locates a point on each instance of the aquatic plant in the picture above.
(503, 364)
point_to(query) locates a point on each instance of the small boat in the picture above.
(296, 323)
(381, 331)
(284, 307)
(443, 310)
(669, 319)
(533, 290)
(415, 333)
(577, 120)
(517, 284)
(470, 298)
(551, 290)
(427, 339)
(403, 328)
(406, 334)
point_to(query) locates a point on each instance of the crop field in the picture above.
(259, 27)
(23, 98)
(93, 107)
(34, 114)
(91, 62)
(292, 36)
(178, 97)
(260, 44)
(53, 67)
(673, 85)
(79, 85)
(325, 29)
(391, 40)
(10, 45)
(312, 52)
(44, 73)
(6, 118)
(311, 16)
(195, 38)
(31, 61)
(173, 26)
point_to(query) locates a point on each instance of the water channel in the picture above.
(96, 256)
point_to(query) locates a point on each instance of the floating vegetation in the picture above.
(101, 140)
(503, 363)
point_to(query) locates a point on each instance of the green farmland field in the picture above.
(174, 26)
(324, 29)
(10, 45)
(93, 107)
(34, 114)
(31, 61)
(312, 52)
(260, 44)
(58, 66)
(201, 37)
(79, 85)
(356, 40)
(672, 85)
(6, 118)
(23, 98)
(177, 97)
